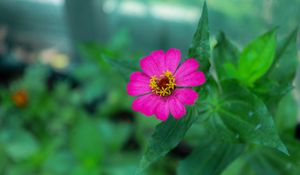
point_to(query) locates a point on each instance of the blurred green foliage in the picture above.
(54, 134)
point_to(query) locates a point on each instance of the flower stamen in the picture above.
(164, 85)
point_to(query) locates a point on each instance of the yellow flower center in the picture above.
(164, 85)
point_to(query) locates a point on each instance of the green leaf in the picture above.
(200, 47)
(257, 57)
(225, 56)
(165, 137)
(236, 115)
(279, 79)
(285, 64)
(238, 167)
(211, 157)
(266, 161)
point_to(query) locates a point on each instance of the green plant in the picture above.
(241, 108)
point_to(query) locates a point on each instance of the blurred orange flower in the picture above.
(20, 98)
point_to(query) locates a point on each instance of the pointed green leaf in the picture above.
(279, 79)
(165, 137)
(238, 167)
(271, 92)
(285, 64)
(226, 57)
(211, 157)
(266, 161)
(200, 47)
(236, 115)
(257, 57)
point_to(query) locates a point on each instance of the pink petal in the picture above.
(193, 79)
(154, 63)
(146, 104)
(187, 67)
(160, 58)
(138, 88)
(186, 95)
(162, 109)
(177, 109)
(139, 84)
(173, 57)
(139, 76)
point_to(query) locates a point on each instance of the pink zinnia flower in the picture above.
(164, 86)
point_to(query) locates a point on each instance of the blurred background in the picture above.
(60, 113)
